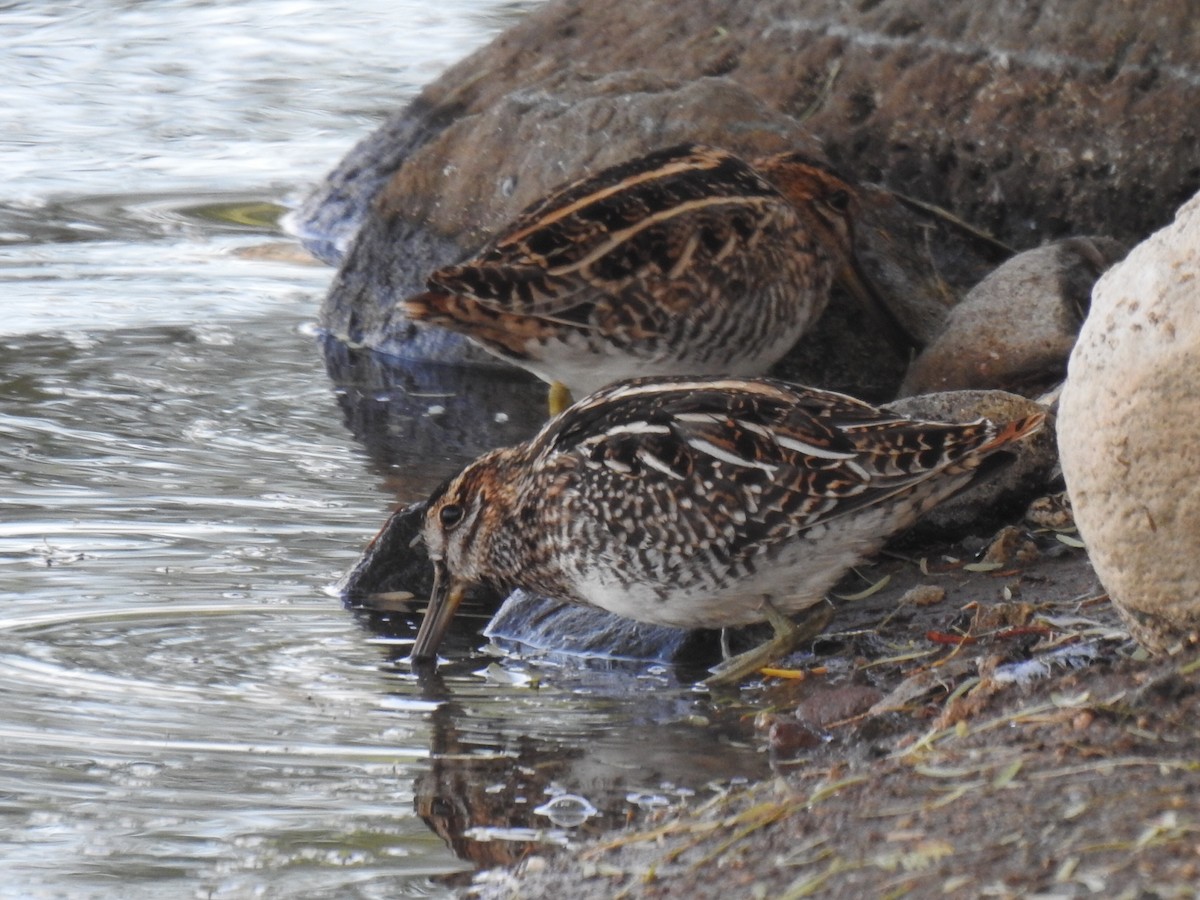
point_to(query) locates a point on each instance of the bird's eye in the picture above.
(451, 514)
(839, 201)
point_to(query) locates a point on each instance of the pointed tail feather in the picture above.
(429, 306)
(498, 331)
(1015, 431)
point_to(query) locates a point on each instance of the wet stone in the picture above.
(394, 561)
(528, 622)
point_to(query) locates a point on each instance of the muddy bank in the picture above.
(1004, 740)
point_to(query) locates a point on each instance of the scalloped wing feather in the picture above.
(779, 460)
(690, 208)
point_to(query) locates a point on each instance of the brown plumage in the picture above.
(686, 261)
(696, 503)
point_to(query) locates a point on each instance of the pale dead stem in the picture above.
(825, 92)
(744, 823)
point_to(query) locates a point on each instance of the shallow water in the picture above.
(189, 710)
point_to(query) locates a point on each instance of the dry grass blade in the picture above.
(765, 818)
(863, 595)
(919, 685)
(829, 790)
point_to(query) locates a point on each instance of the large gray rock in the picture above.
(1033, 121)
(1129, 429)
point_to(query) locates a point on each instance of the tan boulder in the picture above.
(1015, 329)
(1129, 433)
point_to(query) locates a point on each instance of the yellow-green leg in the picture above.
(788, 635)
(560, 397)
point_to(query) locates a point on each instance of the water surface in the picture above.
(189, 711)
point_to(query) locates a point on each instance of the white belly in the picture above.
(586, 366)
(793, 575)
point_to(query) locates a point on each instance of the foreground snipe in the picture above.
(695, 503)
(686, 261)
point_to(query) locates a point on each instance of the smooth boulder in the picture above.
(1015, 329)
(1129, 433)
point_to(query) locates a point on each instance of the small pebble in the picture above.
(924, 595)
(1052, 511)
(1011, 546)
(533, 864)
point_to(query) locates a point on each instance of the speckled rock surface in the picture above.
(1015, 329)
(1129, 430)
(1033, 120)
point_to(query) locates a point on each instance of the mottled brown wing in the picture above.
(654, 400)
(763, 401)
(639, 222)
(773, 460)
(749, 446)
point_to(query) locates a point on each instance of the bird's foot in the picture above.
(788, 634)
(559, 398)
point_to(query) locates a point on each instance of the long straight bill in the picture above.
(443, 604)
(853, 280)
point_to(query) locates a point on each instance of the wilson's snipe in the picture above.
(695, 503)
(686, 261)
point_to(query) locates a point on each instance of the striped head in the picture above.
(469, 531)
(828, 202)
(829, 206)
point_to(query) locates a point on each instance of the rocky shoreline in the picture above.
(942, 773)
(1033, 122)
